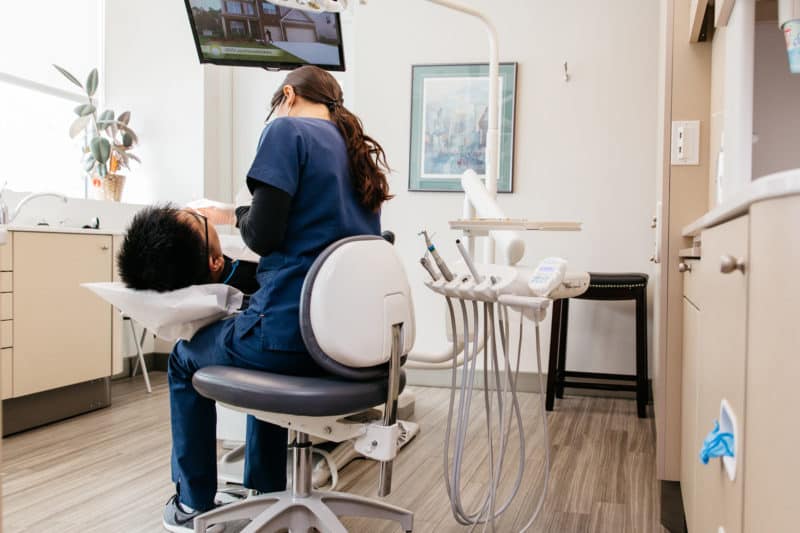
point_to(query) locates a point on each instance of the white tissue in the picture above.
(172, 315)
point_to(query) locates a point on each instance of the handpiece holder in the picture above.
(500, 284)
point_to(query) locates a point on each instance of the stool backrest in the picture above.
(353, 295)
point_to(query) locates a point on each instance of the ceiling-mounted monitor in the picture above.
(262, 34)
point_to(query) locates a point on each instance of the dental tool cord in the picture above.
(460, 515)
(504, 388)
(453, 480)
(453, 477)
(508, 410)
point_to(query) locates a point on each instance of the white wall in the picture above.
(585, 150)
(152, 69)
(776, 108)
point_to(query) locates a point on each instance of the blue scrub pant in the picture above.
(194, 417)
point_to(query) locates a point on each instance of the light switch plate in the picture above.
(685, 142)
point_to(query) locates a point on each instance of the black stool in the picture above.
(601, 287)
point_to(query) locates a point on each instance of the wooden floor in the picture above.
(108, 471)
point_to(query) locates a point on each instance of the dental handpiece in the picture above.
(429, 267)
(468, 260)
(448, 276)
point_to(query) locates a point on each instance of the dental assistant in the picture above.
(316, 178)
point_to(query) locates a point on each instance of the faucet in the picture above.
(5, 218)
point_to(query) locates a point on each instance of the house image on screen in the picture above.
(265, 22)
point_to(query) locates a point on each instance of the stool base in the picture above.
(284, 510)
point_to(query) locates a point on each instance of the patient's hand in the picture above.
(218, 216)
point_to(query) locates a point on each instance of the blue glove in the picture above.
(717, 444)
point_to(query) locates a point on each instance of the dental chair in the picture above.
(357, 321)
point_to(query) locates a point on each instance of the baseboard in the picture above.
(673, 517)
(154, 361)
(33, 410)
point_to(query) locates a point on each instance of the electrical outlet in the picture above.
(686, 142)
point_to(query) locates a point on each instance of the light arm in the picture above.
(493, 132)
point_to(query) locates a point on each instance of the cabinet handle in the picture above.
(684, 267)
(104, 248)
(730, 264)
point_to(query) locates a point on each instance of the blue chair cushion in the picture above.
(291, 395)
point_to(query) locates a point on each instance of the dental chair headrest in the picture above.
(355, 291)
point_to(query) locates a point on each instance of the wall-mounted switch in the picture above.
(686, 142)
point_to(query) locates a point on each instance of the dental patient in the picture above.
(166, 249)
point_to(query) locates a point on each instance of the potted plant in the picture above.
(108, 140)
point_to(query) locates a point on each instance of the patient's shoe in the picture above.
(177, 519)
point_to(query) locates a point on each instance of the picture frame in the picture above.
(449, 119)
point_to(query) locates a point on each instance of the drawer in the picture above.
(6, 282)
(7, 254)
(692, 281)
(6, 334)
(6, 306)
(7, 372)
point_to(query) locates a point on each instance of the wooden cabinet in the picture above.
(721, 369)
(61, 331)
(6, 323)
(772, 463)
(741, 345)
(689, 433)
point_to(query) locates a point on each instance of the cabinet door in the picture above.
(773, 367)
(718, 500)
(690, 443)
(62, 331)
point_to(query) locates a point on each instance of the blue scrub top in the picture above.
(307, 158)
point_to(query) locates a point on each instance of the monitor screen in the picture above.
(261, 34)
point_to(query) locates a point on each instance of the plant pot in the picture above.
(112, 187)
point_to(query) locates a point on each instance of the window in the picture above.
(237, 27)
(249, 8)
(268, 8)
(235, 8)
(36, 102)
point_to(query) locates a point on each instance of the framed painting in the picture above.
(449, 124)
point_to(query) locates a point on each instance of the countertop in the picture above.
(62, 229)
(776, 185)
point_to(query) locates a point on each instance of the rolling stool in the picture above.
(601, 287)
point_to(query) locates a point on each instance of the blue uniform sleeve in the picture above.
(280, 157)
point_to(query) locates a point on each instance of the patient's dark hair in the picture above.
(162, 252)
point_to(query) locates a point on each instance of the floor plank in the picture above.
(109, 470)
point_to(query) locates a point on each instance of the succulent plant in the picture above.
(110, 138)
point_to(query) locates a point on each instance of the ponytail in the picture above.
(367, 159)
